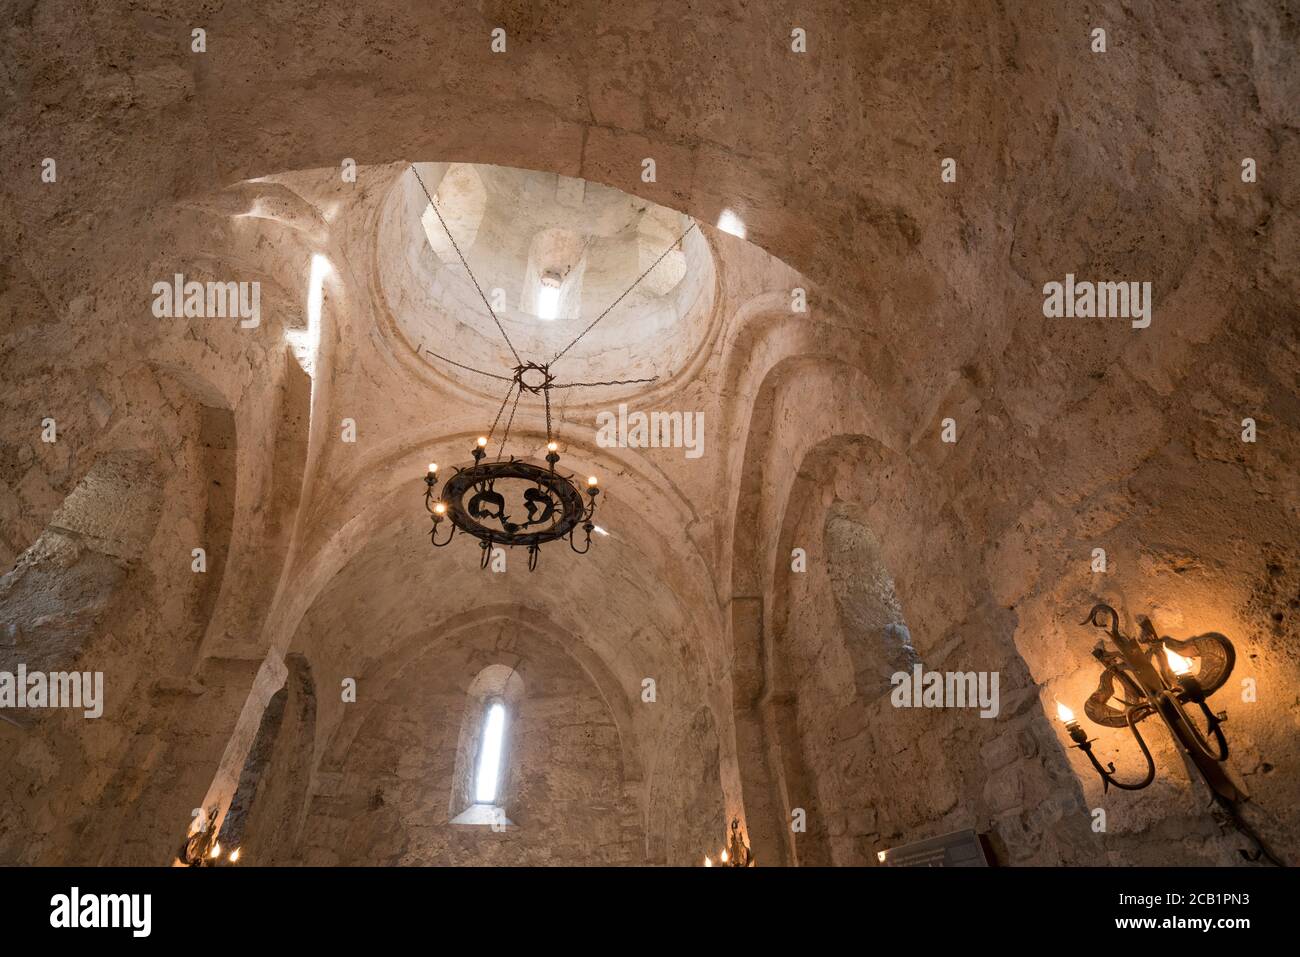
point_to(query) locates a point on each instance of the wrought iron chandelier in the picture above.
(511, 502)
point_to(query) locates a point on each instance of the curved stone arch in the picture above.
(813, 494)
(768, 339)
(754, 555)
(812, 498)
(334, 743)
(844, 380)
(371, 511)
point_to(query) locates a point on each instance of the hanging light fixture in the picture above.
(508, 501)
(513, 503)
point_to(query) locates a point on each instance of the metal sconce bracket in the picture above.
(1152, 681)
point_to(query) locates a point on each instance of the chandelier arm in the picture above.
(491, 312)
(1108, 775)
(586, 547)
(1196, 738)
(433, 535)
(559, 355)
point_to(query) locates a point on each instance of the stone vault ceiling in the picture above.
(916, 173)
(520, 231)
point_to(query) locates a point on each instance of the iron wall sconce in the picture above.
(201, 847)
(736, 853)
(1155, 676)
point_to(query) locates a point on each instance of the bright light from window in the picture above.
(548, 302)
(489, 758)
(306, 342)
(729, 222)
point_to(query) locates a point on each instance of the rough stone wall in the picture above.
(926, 304)
(390, 799)
(108, 588)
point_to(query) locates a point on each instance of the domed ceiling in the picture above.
(551, 254)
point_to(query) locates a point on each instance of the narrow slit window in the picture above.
(487, 777)
(548, 302)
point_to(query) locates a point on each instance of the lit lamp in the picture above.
(736, 853)
(201, 847)
(1154, 678)
(509, 503)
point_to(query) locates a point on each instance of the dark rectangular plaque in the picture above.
(958, 849)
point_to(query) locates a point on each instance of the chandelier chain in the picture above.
(582, 385)
(546, 396)
(510, 421)
(491, 311)
(461, 365)
(492, 431)
(611, 306)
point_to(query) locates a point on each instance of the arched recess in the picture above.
(495, 684)
(340, 725)
(772, 461)
(835, 634)
(265, 816)
(381, 787)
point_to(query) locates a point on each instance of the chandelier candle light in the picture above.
(474, 499)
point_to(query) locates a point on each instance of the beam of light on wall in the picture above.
(548, 302)
(729, 222)
(489, 758)
(306, 342)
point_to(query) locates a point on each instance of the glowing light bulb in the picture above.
(482, 441)
(724, 857)
(216, 850)
(439, 508)
(1179, 665)
(234, 856)
(708, 861)
(592, 480)
(433, 468)
(880, 856)
(1064, 713)
(552, 446)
